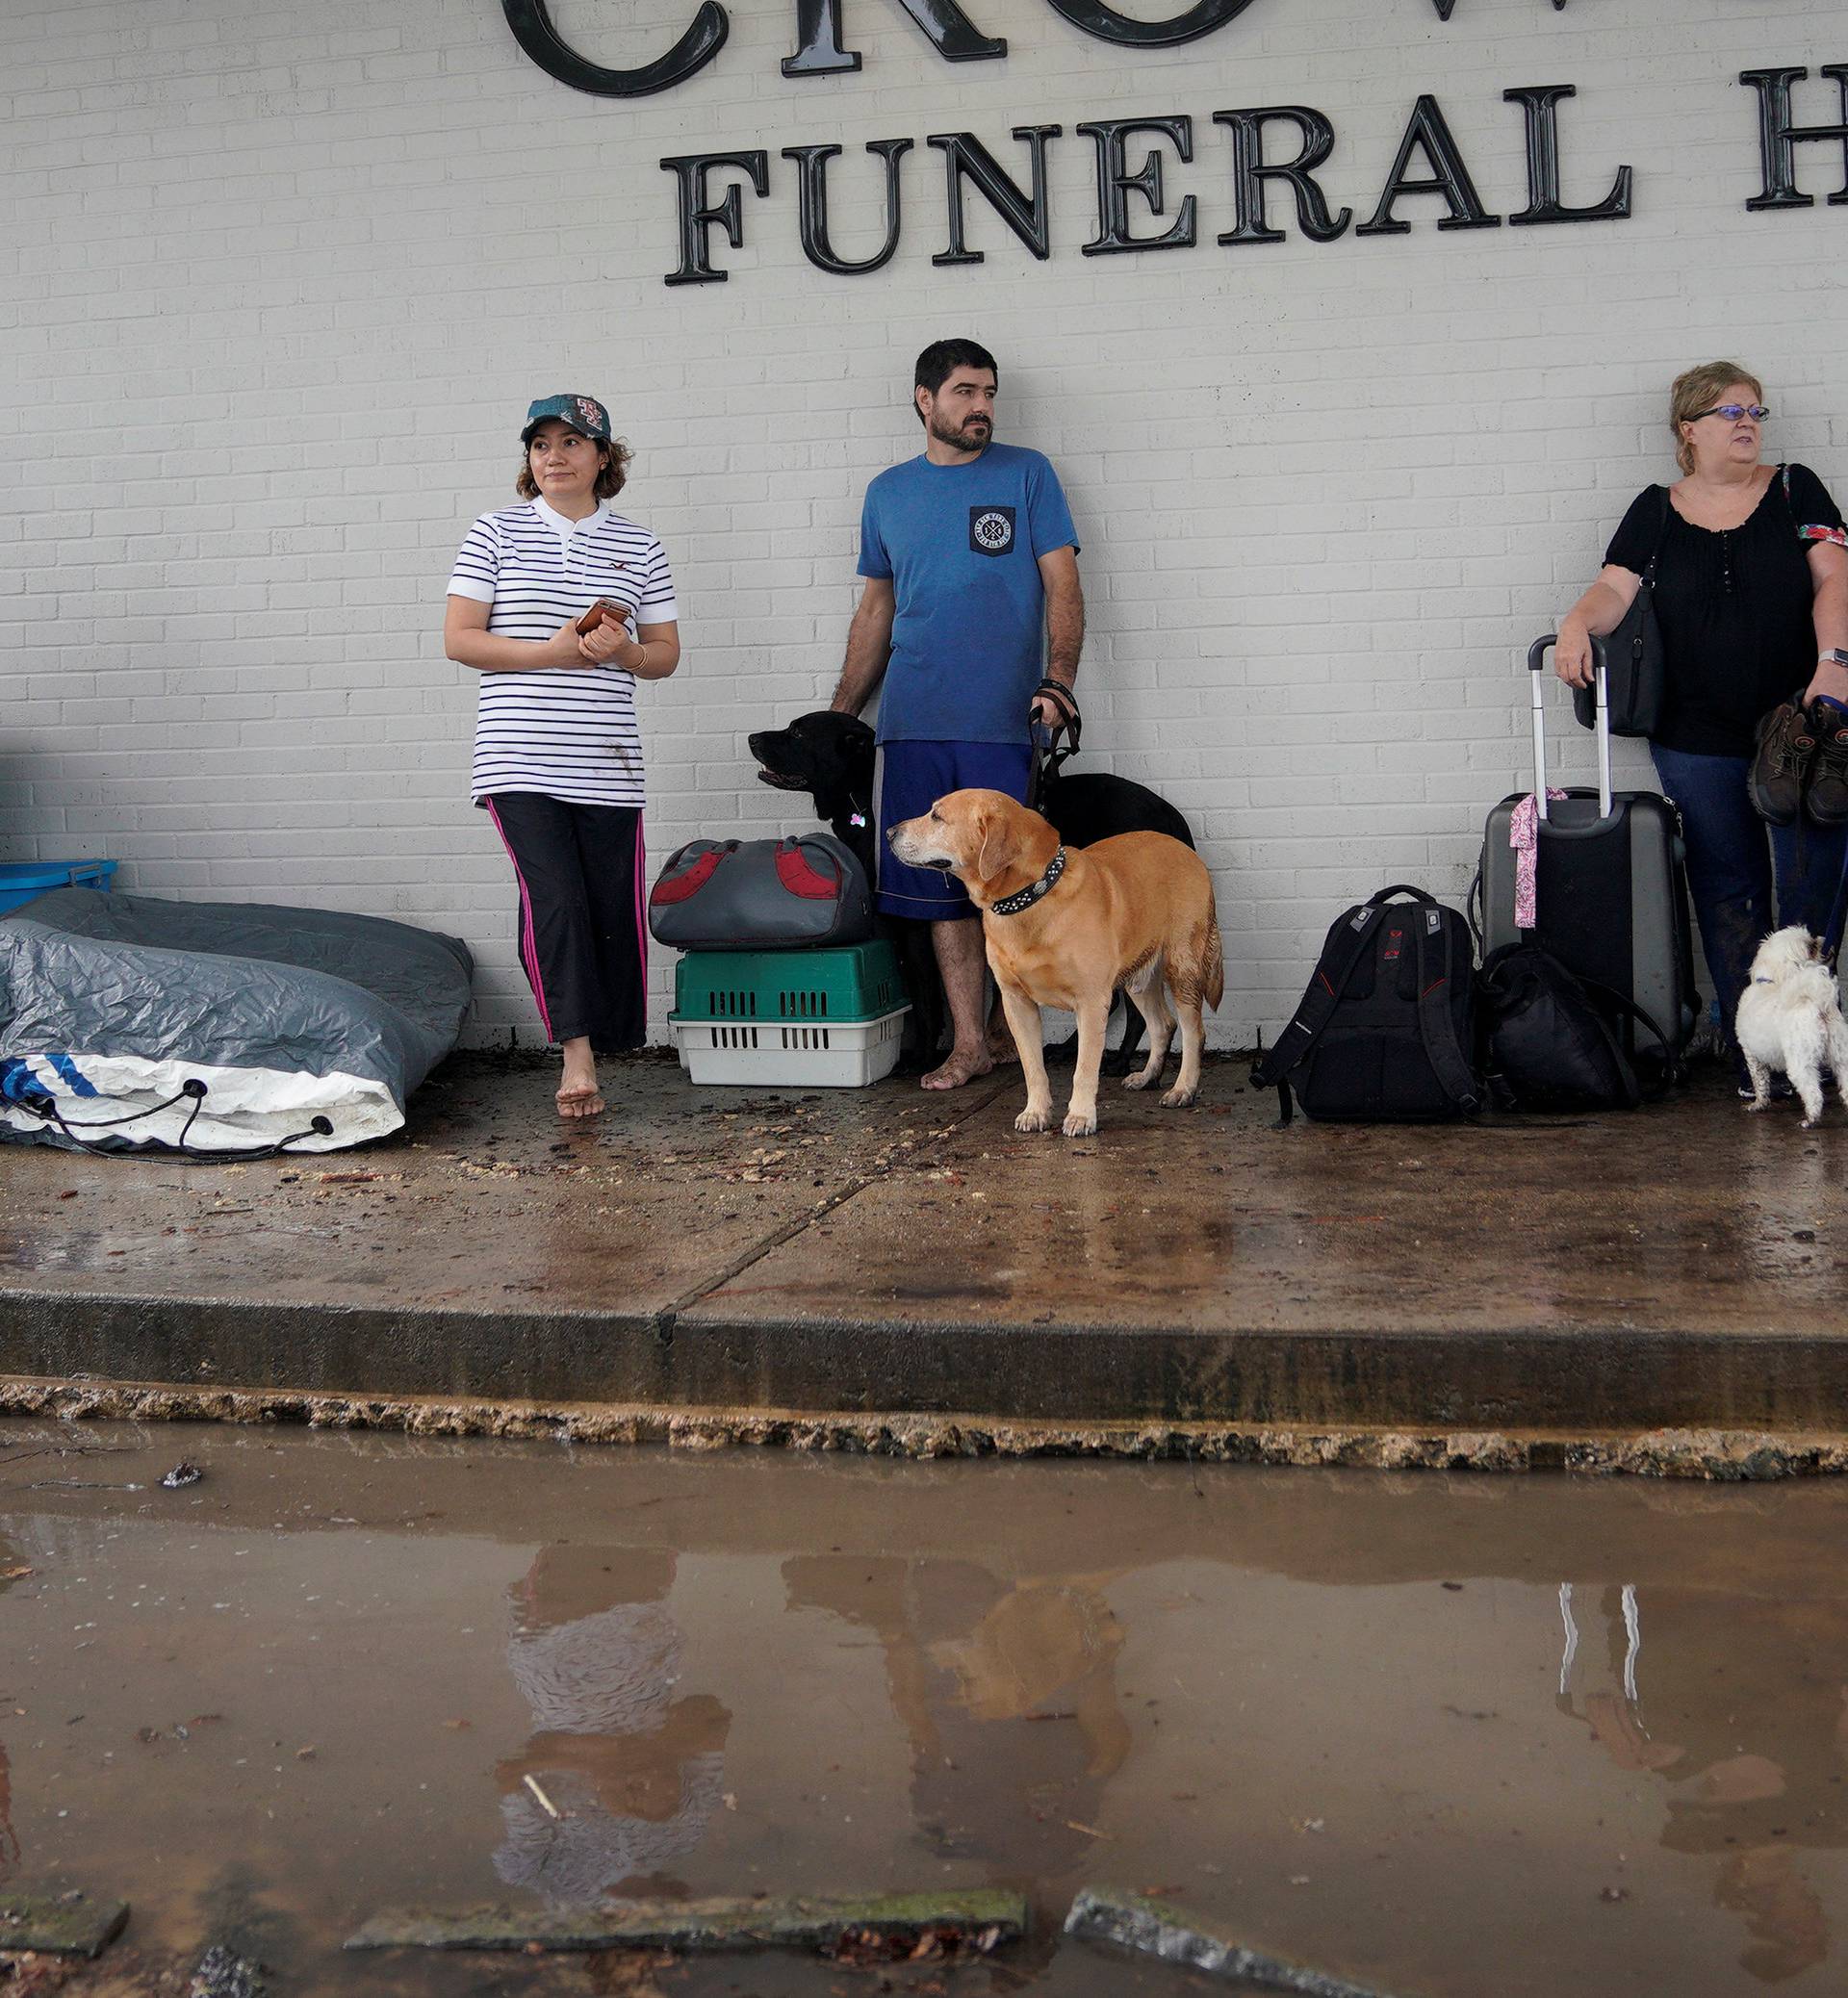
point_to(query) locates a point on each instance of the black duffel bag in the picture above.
(1554, 1042)
(761, 894)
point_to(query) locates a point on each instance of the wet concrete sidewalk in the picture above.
(889, 1268)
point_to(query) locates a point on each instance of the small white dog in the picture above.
(1790, 1020)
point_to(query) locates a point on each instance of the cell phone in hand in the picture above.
(603, 607)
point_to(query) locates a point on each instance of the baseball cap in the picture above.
(583, 413)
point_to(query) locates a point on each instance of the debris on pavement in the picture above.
(1176, 1936)
(862, 1948)
(59, 1925)
(183, 1473)
(224, 1974)
(980, 1921)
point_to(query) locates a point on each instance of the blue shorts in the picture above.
(910, 777)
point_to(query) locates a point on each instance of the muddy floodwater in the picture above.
(1447, 1737)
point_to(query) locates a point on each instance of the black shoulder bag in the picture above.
(1635, 672)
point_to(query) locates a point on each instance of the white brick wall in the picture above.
(278, 281)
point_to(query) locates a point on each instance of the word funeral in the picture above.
(1429, 162)
(1272, 147)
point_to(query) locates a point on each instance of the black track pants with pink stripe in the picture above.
(582, 926)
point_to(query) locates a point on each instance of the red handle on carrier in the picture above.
(682, 887)
(800, 875)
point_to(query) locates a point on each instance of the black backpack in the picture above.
(1554, 1042)
(1386, 1031)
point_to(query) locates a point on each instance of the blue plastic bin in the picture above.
(24, 880)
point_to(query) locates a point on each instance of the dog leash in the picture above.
(1053, 743)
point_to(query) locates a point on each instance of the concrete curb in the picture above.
(1610, 1380)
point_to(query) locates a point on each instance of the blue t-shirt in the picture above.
(962, 543)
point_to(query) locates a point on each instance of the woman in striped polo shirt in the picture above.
(557, 755)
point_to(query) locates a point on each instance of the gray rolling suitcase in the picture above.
(1610, 879)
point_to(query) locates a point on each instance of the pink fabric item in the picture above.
(641, 901)
(1523, 836)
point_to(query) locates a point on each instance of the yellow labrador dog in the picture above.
(1070, 928)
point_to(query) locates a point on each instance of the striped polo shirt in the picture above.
(571, 734)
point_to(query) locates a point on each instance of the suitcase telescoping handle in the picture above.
(1538, 673)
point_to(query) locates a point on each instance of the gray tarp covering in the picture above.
(110, 1004)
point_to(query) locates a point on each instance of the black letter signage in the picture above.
(1134, 178)
(1107, 25)
(1115, 182)
(1250, 172)
(819, 53)
(533, 31)
(964, 155)
(1779, 138)
(1544, 205)
(812, 197)
(1449, 177)
(698, 214)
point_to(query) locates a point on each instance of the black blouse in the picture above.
(1735, 608)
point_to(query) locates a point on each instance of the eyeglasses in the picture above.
(1733, 411)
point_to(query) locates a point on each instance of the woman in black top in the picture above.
(1752, 598)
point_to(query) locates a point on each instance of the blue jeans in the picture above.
(1730, 865)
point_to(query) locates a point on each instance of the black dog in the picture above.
(831, 757)
(1085, 809)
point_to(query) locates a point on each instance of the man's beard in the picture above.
(971, 437)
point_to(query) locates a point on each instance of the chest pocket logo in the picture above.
(990, 531)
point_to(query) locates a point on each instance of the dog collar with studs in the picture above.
(1012, 905)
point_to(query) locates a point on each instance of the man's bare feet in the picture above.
(580, 1100)
(1002, 1050)
(964, 1065)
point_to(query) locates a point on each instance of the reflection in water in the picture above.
(1612, 1711)
(1007, 1696)
(1780, 1911)
(12, 1567)
(1041, 1641)
(634, 1773)
(1725, 1796)
(9, 1837)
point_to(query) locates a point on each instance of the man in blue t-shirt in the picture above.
(972, 598)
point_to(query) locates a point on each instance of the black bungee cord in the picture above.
(45, 1105)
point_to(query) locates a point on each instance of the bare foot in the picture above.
(1002, 1050)
(576, 1099)
(964, 1065)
